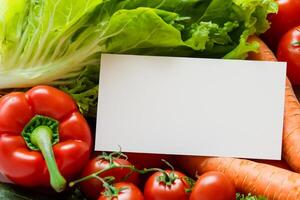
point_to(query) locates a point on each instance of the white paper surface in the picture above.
(191, 106)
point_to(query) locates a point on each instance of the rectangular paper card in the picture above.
(191, 106)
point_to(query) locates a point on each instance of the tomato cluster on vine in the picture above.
(113, 177)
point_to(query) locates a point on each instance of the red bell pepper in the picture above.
(44, 140)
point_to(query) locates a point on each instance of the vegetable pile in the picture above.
(50, 55)
(59, 42)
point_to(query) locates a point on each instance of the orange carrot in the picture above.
(291, 129)
(258, 178)
(291, 125)
(248, 176)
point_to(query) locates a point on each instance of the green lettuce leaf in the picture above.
(12, 16)
(60, 42)
(84, 89)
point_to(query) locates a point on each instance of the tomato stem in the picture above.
(110, 191)
(191, 183)
(166, 178)
(110, 157)
(114, 166)
(296, 44)
(96, 174)
(169, 164)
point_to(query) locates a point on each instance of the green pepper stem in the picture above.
(42, 137)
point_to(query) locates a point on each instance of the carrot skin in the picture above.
(291, 125)
(277, 163)
(291, 129)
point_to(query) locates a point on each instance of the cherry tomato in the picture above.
(213, 186)
(143, 160)
(287, 17)
(289, 51)
(126, 191)
(93, 187)
(168, 185)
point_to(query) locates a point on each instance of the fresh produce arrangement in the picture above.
(50, 54)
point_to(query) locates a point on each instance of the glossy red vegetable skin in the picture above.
(213, 186)
(93, 187)
(156, 190)
(128, 192)
(26, 167)
(289, 51)
(287, 17)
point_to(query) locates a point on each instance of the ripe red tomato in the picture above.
(93, 187)
(171, 185)
(213, 186)
(287, 17)
(127, 191)
(289, 51)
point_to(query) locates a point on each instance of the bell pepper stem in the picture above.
(41, 137)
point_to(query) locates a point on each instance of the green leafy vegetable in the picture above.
(84, 89)
(60, 42)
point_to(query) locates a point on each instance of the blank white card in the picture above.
(191, 106)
